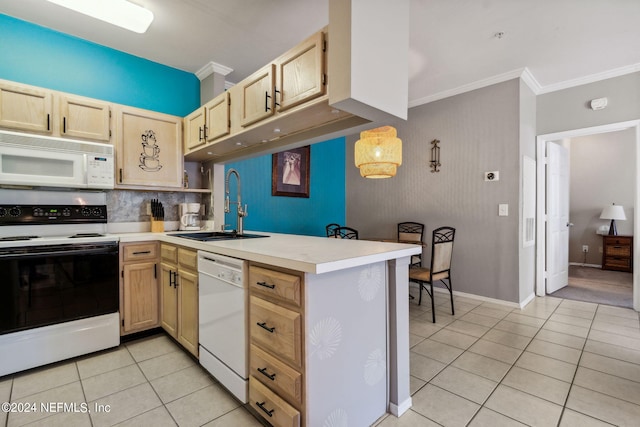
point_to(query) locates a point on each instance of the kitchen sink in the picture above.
(212, 236)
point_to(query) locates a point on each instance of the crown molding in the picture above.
(510, 75)
(616, 72)
(211, 68)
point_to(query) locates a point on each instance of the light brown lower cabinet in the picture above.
(139, 309)
(179, 295)
(276, 351)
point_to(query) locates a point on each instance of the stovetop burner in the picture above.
(78, 235)
(14, 238)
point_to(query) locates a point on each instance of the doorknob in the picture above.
(569, 224)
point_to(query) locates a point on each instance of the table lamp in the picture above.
(613, 212)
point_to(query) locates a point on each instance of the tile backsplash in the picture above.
(131, 206)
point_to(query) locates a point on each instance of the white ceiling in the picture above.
(453, 43)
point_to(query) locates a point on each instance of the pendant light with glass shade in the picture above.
(378, 152)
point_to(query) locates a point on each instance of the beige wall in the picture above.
(602, 172)
(479, 131)
(568, 109)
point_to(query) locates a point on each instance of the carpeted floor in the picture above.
(600, 286)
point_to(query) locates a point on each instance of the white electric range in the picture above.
(60, 292)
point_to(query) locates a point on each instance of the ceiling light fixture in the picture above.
(117, 12)
(378, 152)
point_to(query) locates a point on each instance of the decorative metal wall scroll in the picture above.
(435, 156)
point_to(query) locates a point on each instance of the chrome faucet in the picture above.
(242, 212)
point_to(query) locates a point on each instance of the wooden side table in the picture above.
(617, 253)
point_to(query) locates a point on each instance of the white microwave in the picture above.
(46, 161)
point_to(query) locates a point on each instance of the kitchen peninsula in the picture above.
(353, 330)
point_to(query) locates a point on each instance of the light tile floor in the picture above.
(147, 382)
(555, 363)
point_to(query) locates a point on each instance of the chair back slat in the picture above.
(346, 233)
(410, 237)
(442, 249)
(331, 229)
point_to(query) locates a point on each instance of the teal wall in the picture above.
(38, 56)
(41, 57)
(293, 215)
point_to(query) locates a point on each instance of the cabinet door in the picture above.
(24, 108)
(140, 297)
(217, 111)
(85, 118)
(149, 149)
(300, 73)
(169, 299)
(256, 97)
(188, 310)
(194, 128)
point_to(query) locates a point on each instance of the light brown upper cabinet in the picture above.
(295, 77)
(149, 149)
(84, 118)
(207, 123)
(26, 108)
(300, 73)
(32, 109)
(257, 95)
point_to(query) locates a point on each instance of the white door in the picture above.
(557, 217)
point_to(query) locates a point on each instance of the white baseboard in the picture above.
(400, 409)
(527, 300)
(586, 265)
(479, 297)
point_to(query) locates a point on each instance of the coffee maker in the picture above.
(189, 216)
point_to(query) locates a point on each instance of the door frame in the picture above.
(541, 164)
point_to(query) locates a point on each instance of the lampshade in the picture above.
(613, 212)
(378, 152)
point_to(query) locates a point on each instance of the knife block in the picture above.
(157, 226)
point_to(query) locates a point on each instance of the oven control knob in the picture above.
(15, 211)
(3, 212)
(97, 212)
(86, 211)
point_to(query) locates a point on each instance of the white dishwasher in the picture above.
(222, 320)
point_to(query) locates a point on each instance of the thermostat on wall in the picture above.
(492, 176)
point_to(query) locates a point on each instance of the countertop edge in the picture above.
(371, 252)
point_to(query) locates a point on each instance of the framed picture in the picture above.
(290, 173)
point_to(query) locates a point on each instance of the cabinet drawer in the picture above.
(618, 250)
(188, 258)
(271, 407)
(276, 329)
(139, 251)
(614, 262)
(278, 376)
(277, 285)
(169, 253)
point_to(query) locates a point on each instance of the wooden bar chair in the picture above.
(440, 269)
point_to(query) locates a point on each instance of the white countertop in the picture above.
(309, 254)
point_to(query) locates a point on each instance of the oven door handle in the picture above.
(64, 252)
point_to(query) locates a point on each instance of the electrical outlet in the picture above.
(149, 208)
(585, 248)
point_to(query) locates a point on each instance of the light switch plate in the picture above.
(503, 209)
